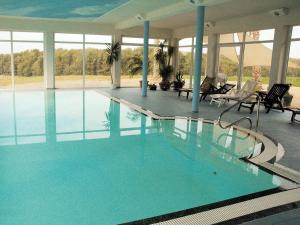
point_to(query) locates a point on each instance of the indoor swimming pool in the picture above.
(78, 157)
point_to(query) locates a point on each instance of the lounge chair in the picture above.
(247, 89)
(271, 100)
(207, 84)
(295, 111)
(222, 90)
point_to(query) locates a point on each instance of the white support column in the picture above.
(192, 68)
(212, 55)
(116, 68)
(49, 69)
(174, 62)
(280, 55)
(241, 63)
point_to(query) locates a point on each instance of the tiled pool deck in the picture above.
(275, 125)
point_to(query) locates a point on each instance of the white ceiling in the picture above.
(228, 10)
(173, 14)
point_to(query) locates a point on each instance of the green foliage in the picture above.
(113, 52)
(163, 58)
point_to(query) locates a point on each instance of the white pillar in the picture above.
(174, 62)
(212, 55)
(116, 68)
(280, 55)
(49, 52)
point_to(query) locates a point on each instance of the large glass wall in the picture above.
(229, 61)
(80, 61)
(186, 57)
(258, 56)
(132, 61)
(25, 51)
(293, 71)
(5, 60)
(245, 56)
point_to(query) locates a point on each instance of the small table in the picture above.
(187, 90)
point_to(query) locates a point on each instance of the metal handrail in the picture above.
(243, 118)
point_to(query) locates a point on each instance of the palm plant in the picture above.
(163, 58)
(113, 53)
(135, 65)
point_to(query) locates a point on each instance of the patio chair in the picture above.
(271, 100)
(295, 111)
(207, 84)
(222, 90)
(247, 89)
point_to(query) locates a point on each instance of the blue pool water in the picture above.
(75, 157)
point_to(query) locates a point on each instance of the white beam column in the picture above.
(174, 62)
(49, 51)
(280, 55)
(116, 68)
(212, 55)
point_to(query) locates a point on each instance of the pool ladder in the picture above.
(243, 118)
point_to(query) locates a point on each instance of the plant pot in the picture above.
(178, 85)
(141, 83)
(152, 87)
(165, 85)
(287, 100)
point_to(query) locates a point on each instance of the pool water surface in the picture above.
(77, 157)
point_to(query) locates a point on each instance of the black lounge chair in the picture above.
(271, 100)
(213, 90)
(295, 111)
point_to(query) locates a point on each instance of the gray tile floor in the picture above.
(275, 124)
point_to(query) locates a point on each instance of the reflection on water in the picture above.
(59, 116)
(64, 152)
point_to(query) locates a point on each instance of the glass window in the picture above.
(131, 65)
(231, 38)
(257, 63)
(60, 37)
(185, 63)
(293, 72)
(68, 65)
(133, 40)
(229, 63)
(98, 38)
(28, 36)
(5, 65)
(296, 32)
(5, 35)
(260, 35)
(186, 42)
(28, 65)
(97, 71)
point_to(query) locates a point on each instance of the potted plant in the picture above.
(179, 82)
(152, 87)
(112, 55)
(163, 58)
(287, 99)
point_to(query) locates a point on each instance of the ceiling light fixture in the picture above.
(196, 2)
(280, 12)
(140, 17)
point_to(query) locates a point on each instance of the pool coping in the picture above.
(244, 209)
